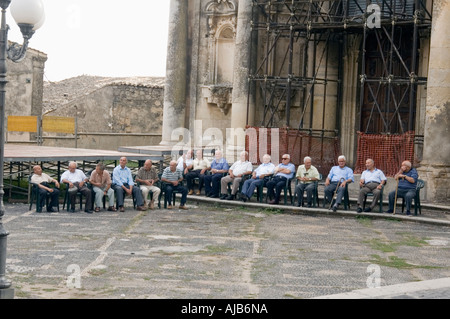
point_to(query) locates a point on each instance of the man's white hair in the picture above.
(73, 163)
(407, 163)
(342, 157)
(306, 159)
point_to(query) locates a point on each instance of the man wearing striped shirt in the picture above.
(173, 177)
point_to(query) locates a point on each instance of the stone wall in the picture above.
(24, 90)
(110, 113)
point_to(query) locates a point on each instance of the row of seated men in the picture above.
(101, 184)
(245, 180)
(242, 178)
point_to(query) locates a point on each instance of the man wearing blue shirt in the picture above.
(219, 166)
(124, 185)
(259, 176)
(283, 172)
(372, 181)
(339, 175)
(407, 183)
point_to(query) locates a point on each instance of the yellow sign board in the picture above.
(56, 124)
(22, 124)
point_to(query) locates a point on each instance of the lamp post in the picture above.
(29, 15)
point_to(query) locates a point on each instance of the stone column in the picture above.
(349, 98)
(176, 71)
(38, 62)
(243, 62)
(435, 167)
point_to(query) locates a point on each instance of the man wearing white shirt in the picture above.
(185, 161)
(236, 172)
(43, 180)
(372, 181)
(76, 179)
(199, 167)
(259, 176)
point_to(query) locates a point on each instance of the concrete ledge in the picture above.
(7, 293)
(392, 291)
(314, 211)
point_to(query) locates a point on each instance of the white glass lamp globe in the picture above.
(40, 23)
(27, 11)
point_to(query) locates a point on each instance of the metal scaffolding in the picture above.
(300, 53)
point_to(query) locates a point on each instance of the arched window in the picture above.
(225, 44)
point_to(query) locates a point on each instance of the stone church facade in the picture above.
(337, 71)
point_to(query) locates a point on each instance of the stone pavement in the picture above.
(218, 250)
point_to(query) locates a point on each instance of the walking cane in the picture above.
(396, 191)
(395, 200)
(335, 192)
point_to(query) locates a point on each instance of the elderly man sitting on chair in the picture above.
(337, 179)
(173, 177)
(236, 173)
(259, 177)
(372, 181)
(42, 180)
(124, 184)
(407, 183)
(76, 180)
(101, 185)
(307, 174)
(283, 172)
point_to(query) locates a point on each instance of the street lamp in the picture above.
(29, 15)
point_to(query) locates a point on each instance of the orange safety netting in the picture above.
(298, 144)
(388, 151)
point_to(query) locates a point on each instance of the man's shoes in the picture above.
(112, 209)
(214, 196)
(169, 206)
(223, 196)
(151, 205)
(51, 210)
(367, 210)
(191, 192)
(197, 193)
(408, 213)
(309, 205)
(97, 209)
(89, 211)
(141, 208)
(71, 210)
(390, 211)
(183, 207)
(299, 204)
(230, 197)
(121, 209)
(273, 202)
(359, 210)
(335, 208)
(244, 198)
